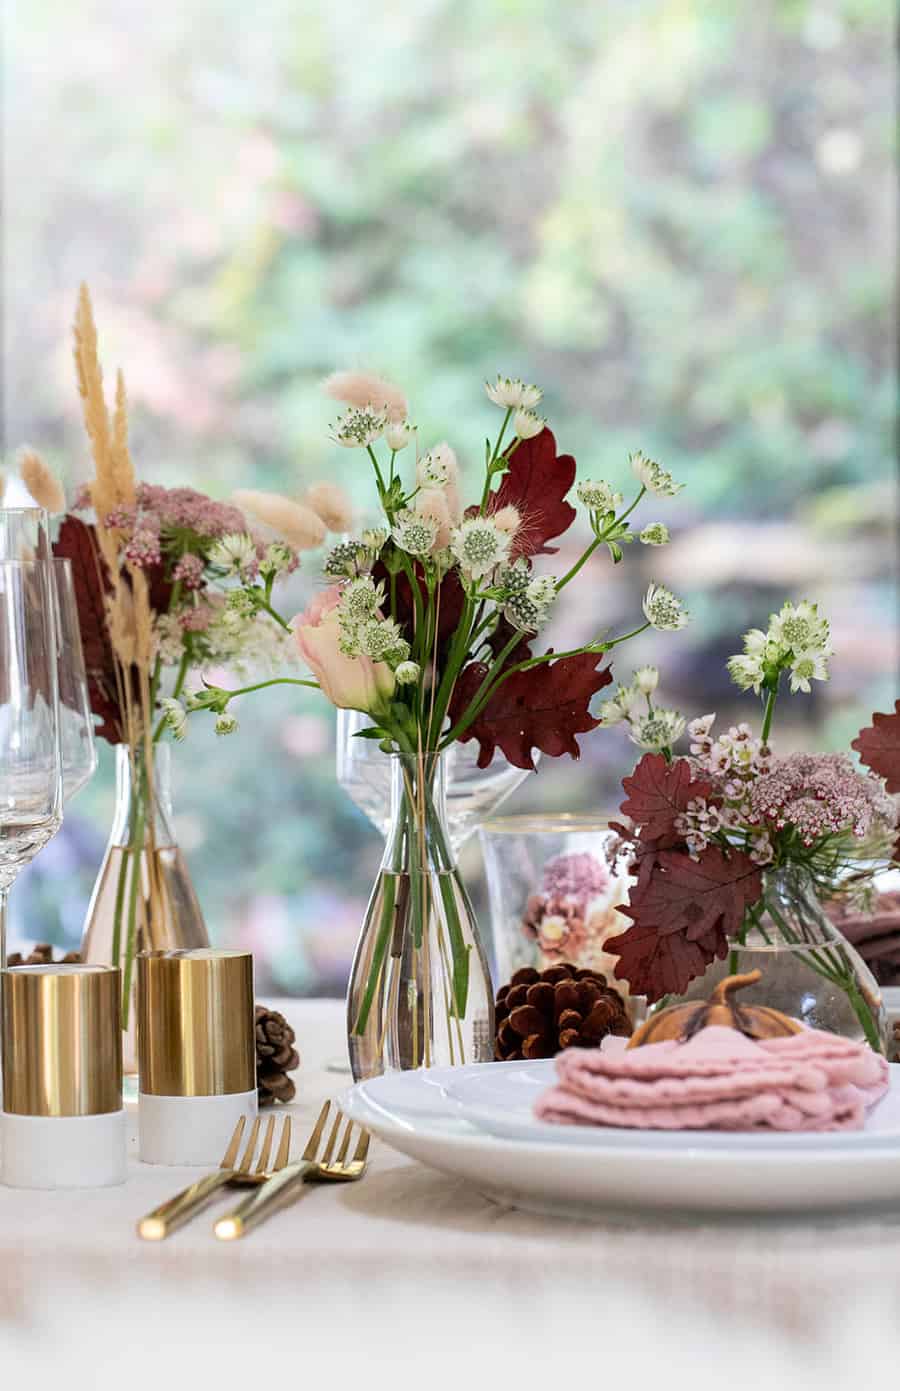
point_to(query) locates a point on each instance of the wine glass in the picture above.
(473, 793)
(76, 725)
(31, 791)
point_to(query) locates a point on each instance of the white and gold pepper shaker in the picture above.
(63, 1125)
(197, 1052)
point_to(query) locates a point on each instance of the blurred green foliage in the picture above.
(676, 216)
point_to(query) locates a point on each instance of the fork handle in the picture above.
(276, 1193)
(171, 1215)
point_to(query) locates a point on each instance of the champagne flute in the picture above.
(31, 790)
(76, 725)
(473, 793)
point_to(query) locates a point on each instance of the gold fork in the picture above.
(287, 1185)
(176, 1211)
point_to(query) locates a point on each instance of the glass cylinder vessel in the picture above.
(143, 899)
(809, 969)
(420, 989)
(557, 885)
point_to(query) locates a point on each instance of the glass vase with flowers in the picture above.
(738, 848)
(428, 627)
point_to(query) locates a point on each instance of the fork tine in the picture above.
(332, 1139)
(247, 1160)
(362, 1149)
(231, 1153)
(284, 1145)
(312, 1143)
(345, 1144)
(266, 1147)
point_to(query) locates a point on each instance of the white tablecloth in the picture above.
(343, 1255)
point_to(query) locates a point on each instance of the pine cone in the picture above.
(542, 1012)
(276, 1056)
(42, 955)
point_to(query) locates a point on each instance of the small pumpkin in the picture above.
(681, 1022)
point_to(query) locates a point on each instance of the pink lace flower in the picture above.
(577, 874)
(189, 570)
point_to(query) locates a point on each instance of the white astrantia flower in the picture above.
(656, 534)
(512, 392)
(598, 496)
(746, 672)
(527, 424)
(407, 673)
(610, 712)
(756, 642)
(277, 559)
(436, 468)
(414, 534)
(359, 427)
(344, 559)
(646, 679)
(653, 476)
(234, 552)
(657, 730)
(174, 717)
(360, 599)
(398, 434)
(528, 605)
(480, 546)
(806, 667)
(663, 611)
(241, 602)
(382, 640)
(226, 724)
(374, 537)
(800, 628)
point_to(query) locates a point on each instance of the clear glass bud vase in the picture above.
(420, 989)
(809, 969)
(143, 898)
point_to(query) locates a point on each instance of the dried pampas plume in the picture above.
(43, 485)
(332, 505)
(366, 389)
(114, 484)
(297, 524)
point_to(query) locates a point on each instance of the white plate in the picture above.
(499, 1100)
(422, 1114)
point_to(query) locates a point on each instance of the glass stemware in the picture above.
(31, 793)
(76, 724)
(472, 793)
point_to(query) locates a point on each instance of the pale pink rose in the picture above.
(432, 503)
(350, 683)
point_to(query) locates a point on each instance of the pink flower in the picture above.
(350, 683)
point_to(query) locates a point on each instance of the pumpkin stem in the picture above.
(726, 988)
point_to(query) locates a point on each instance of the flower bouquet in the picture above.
(148, 574)
(737, 849)
(428, 626)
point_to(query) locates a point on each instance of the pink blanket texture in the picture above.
(719, 1080)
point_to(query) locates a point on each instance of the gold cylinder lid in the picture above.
(62, 1040)
(196, 1022)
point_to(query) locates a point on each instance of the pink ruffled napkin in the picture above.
(719, 1080)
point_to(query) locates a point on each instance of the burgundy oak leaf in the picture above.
(541, 708)
(878, 746)
(536, 484)
(76, 543)
(683, 912)
(658, 792)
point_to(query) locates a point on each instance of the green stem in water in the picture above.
(769, 714)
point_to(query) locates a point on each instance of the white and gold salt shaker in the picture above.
(196, 1051)
(63, 1125)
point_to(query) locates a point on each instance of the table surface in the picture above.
(405, 1224)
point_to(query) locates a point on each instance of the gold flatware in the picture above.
(286, 1186)
(176, 1211)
